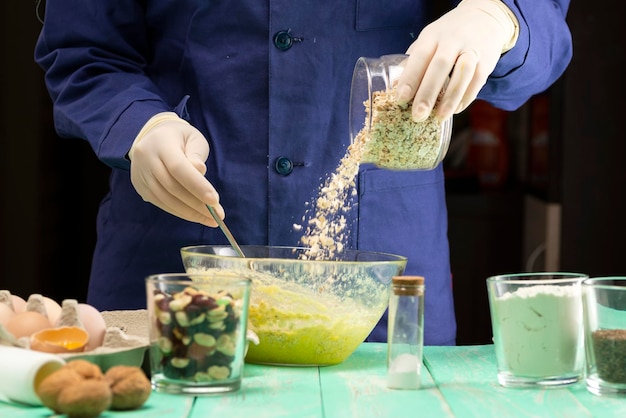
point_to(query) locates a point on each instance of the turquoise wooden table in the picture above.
(457, 382)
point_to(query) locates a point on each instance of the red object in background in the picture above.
(488, 155)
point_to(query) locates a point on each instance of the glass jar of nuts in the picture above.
(384, 131)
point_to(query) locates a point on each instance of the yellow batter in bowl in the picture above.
(305, 312)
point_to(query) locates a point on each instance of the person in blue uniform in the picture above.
(244, 106)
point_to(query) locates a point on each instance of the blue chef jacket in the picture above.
(268, 84)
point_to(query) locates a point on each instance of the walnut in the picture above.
(130, 387)
(50, 387)
(86, 369)
(87, 399)
(79, 389)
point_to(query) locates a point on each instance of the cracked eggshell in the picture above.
(59, 340)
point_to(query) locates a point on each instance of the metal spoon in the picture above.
(226, 232)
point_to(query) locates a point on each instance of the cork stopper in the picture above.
(408, 285)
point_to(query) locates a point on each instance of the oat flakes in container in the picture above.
(385, 131)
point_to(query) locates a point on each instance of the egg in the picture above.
(19, 304)
(94, 324)
(53, 309)
(24, 324)
(6, 313)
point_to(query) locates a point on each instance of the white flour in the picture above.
(538, 331)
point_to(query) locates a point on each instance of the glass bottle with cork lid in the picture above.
(383, 131)
(405, 337)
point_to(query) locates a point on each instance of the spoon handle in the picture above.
(226, 232)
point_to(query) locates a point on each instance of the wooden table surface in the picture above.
(457, 382)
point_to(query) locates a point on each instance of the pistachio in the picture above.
(217, 314)
(218, 372)
(182, 319)
(180, 363)
(202, 377)
(197, 320)
(165, 344)
(226, 344)
(164, 317)
(217, 325)
(205, 340)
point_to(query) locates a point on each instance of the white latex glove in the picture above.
(167, 167)
(465, 44)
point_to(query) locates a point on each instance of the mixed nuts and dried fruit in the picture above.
(197, 334)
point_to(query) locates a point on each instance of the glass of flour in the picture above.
(537, 323)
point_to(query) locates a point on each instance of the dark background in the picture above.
(50, 187)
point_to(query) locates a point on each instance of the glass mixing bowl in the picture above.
(305, 312)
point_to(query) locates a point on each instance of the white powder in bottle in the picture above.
(404, 372)
(538, 331)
